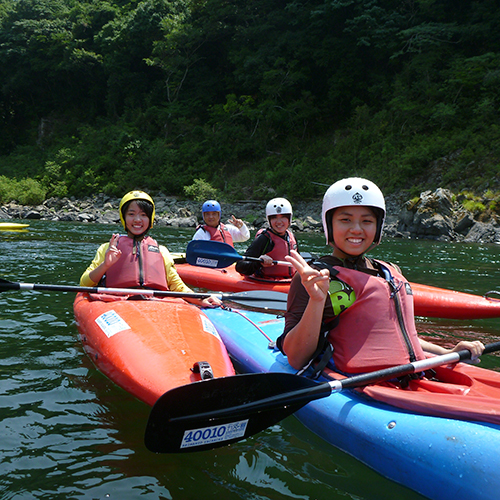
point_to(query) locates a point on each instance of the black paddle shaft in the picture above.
(262, 299)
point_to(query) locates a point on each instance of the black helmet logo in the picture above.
(357, 198)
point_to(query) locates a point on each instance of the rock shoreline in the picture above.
(437, 215)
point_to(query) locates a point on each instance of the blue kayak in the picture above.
(440, 458)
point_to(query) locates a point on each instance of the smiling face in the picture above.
(354, 230)
(279, 223)
(211, 218)
(136, 220)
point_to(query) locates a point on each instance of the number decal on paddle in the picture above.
(215, 434)
(201, 261)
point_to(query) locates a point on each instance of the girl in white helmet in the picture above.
(360, 309)
(135, 260)
(235, 231)
(271, 244)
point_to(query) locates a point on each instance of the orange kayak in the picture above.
(430, 301)
(148, 347)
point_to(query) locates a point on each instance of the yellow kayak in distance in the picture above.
(12, 226)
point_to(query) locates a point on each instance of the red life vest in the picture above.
(140, 265)
(219, 233)
(378, 329)
(281, 248)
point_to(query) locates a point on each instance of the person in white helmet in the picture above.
(271, 244)
(346, 307)
(235, 231)
(135, 260)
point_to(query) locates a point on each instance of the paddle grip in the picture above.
(466, 354)
(275, 262)
(495, 346)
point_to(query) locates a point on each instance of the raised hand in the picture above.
(235, 222)
(112, 253)
(316, 282)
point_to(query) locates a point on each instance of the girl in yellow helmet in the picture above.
(136, 260)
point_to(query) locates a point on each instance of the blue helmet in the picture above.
(210, 206)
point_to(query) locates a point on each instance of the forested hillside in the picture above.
(108, 95)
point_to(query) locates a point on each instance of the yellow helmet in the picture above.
(133, 196)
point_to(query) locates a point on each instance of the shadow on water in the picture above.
(68, 432)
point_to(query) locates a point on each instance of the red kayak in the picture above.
(148, 347)
(430, 301)
(227, 279)
(442, 303)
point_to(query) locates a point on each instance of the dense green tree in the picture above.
(113, 94)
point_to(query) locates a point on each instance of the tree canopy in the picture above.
(109, 95)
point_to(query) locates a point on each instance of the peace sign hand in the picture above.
(112, 253)
(236, 222)
(317, 283)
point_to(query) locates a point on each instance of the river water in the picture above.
(67, 432)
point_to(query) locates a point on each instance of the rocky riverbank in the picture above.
(438, 215)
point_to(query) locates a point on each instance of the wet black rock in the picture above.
(436, 215)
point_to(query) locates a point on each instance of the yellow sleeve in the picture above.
(174, 281)
(98, 260)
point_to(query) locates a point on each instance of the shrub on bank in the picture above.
(24, 192)
(201, 190)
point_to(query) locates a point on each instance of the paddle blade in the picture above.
(259, 299)
(8, 285)
(214, 413)
(214, 254)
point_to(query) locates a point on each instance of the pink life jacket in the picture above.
(378, 330)
(140, 265)
(281, 248)
(219, 233)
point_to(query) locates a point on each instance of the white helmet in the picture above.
(278, 206)
(353, 191)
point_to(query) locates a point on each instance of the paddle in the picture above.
(217, 412)
(257, 298)
(217, 254)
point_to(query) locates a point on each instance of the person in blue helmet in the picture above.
(234, 232)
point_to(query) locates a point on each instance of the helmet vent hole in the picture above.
(365, 187)
(348, 187)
